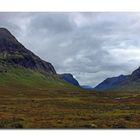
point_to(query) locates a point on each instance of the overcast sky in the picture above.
(91, 46)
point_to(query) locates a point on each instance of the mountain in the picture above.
(123, 82)
(135, 75)
(87, 87)
(14, 53)
(110, 83)
(19, 67)
(69, 78)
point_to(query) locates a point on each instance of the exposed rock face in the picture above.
(69, 78)
(13, 52)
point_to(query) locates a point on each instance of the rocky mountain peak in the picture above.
(14, 53)
(5, 35)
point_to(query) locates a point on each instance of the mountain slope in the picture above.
(123, 82)
(14, 53)
(111, 83)
(28, 78)
(69, 78)
(20, 67)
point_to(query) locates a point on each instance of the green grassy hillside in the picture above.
(17, 76)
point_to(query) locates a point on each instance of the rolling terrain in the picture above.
(33, 95)
(67, 108)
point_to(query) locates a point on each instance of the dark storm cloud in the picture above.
(91, 46)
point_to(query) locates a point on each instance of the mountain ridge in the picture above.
(13, 52)
(21, 67)
(69, 78)
(129, 82)
(110, 82)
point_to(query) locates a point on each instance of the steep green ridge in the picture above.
(19, 76)
(21, 67)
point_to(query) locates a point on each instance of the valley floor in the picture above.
(32, 108)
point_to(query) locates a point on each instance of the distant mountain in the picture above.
(123, 82)
(69, 78)
(14, 53)
(110, 83)
(87, 87)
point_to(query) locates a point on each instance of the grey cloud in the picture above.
(80, 43)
